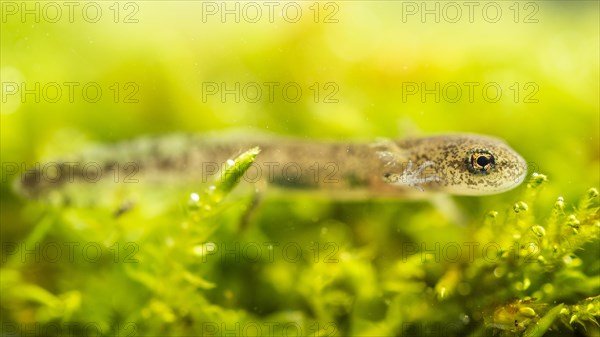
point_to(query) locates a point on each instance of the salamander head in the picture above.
(461, 164)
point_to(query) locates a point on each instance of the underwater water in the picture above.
(127, 229)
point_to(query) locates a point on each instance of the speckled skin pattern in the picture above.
(460, 164)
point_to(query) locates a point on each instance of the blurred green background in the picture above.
(353, 61)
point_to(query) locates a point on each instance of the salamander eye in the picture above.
(481, 162)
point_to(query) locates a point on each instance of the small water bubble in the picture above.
(572, 221)
(520, 207)
(530, 249)
(492, 214)
(538, 230)
(536, 180)
(559, 204)
(491, 218)
(465, 318)
(324, 230)
(194, 197)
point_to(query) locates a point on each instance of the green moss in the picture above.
(180, 264)
(193, 271)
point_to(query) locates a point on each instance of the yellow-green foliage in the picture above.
(167, 265)
(197, 269)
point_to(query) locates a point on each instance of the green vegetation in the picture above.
(217, 258)
(194, 272)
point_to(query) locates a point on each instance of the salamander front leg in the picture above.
(412, 177)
